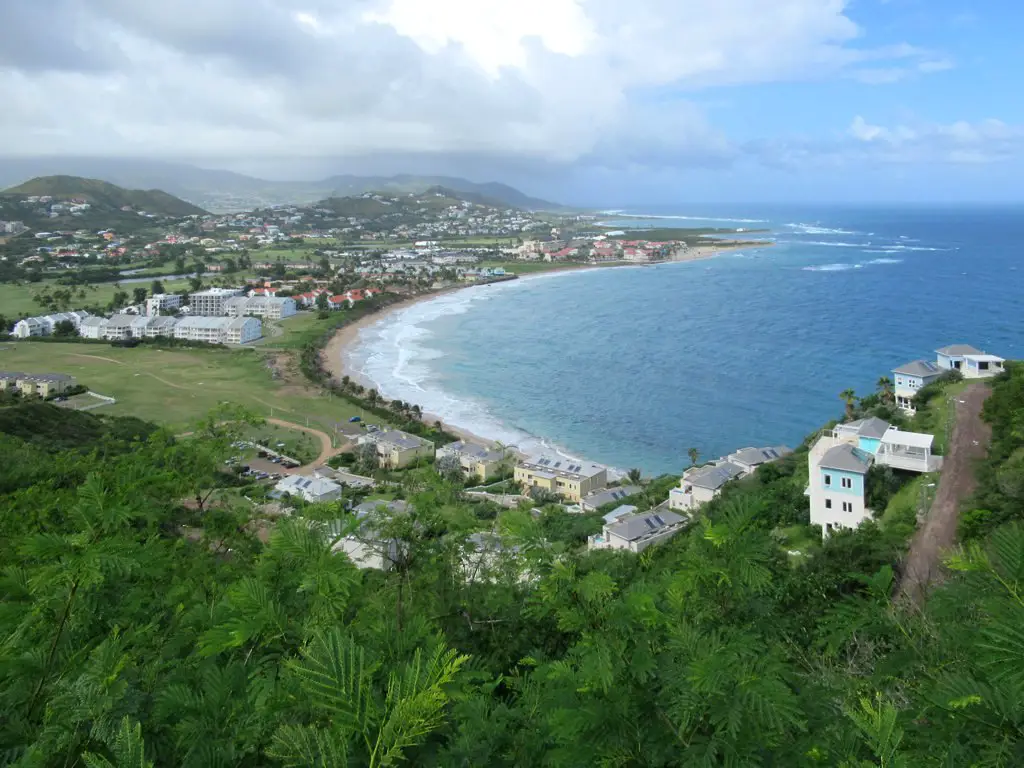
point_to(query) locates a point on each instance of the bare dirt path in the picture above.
(97, 357)
(969, 443)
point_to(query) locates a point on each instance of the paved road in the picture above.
(969, 443)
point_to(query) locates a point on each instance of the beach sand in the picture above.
(333, 356)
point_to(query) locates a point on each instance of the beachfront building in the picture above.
(971, 362)
(269, 307)
(122, 327)
(637, 532)
(839, 461)
(161, 326)
(397, 449)
(476, 460)
(568, 478)
(44, 325)
(210, 303)
(163, 304)
(911, 378)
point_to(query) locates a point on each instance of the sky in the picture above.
(586, 101)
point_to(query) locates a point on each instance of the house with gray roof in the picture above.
(311, 489)
(911, 378)
(635, 533)
(972, 363)
(595, 501)
(752, 458)
(700, 485)
(475, 460)
(397, 449)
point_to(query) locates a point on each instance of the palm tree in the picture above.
(885, 389)
(634, 476)
(849, 397)
(694, 454)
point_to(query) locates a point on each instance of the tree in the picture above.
(367, 458)
(65, 329)
(195, 283)
(885, 390)
(634, 475)
(138, 295)
(450, 468)
(321, 302)
(156, 287)
(849, 397)
(694, 454)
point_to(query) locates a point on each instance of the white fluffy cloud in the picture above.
(541, 79)
(985, 141)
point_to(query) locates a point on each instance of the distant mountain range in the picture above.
(104, 195)
(221, 191)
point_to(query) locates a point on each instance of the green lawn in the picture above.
(937, 417)
(293, 443)
(16, 299)
(177, 387)
(297, 330)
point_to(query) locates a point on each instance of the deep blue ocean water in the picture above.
(631, 366)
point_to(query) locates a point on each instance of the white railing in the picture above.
(910, 463)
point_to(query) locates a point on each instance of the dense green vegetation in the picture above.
(123, 642)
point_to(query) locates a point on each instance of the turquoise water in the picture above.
(632, 366)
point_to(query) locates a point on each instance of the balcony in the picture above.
(909, 460)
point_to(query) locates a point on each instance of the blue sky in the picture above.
(587, 101)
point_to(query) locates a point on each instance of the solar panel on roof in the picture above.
(650, 525)
(660, 521)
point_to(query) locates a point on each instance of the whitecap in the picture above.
(812, 229)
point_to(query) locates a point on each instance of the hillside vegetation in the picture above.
(105, 195)
(140, 630)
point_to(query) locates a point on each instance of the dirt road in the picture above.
(969, 443)
(326, 449)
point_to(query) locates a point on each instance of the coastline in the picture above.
(333, 355)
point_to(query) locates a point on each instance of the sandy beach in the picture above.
(333, 355)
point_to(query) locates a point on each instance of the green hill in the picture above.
(105, 195)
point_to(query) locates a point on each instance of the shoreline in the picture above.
(333, 355)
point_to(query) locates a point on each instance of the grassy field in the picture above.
(297, 330)
(290, 442)
(17, 300)
(179, 387)
(530, 267)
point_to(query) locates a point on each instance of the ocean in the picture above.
(632, 366)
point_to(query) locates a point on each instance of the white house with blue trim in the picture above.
(839, 461)
(911, 378)
(971, 362)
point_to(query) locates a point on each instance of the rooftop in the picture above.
(958, 350)
(398, 438)
(846, 458)
(619, 512)
(910, 439)
(753, 456)
(872, 427)
(556, 465)
(922, 368)
(715, 476)
(636, 527)
(479, 452)
(609, 495)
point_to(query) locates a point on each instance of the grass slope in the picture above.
(177, 387)
(104, 194)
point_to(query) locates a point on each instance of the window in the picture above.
(828, 503)
(847, 482)
(828, 479)
(847, 506)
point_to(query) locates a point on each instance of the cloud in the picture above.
(541, 80)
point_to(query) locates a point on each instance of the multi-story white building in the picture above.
(161, 303)
(93, 328)
(242, 330)
(839, 461)
(270, 307)
(210, 303)
(43, 325)
(212, 330)
(121, 327)
(161, 326)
